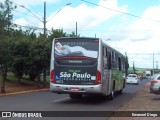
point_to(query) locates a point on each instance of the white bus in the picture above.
(84, 66)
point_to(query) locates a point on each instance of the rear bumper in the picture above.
(155, 90)
(132, 82)
(81, 89)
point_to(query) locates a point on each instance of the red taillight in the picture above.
(98, 77)
(154, 81)
(52, 77)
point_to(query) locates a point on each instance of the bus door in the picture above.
(109, 71)
(106, 71)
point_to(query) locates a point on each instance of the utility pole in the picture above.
(44, 22)
(76, 29)
(8, 19)
(153, 63)
(133, 68)
(157, 65)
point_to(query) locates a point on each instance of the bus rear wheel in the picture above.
(75, 96)
(111, 96)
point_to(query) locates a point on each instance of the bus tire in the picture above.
(75, 96)
(120, 91)
(111, 95)
(124, 83)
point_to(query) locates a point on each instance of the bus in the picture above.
(86, 66)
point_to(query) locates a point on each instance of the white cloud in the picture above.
(28, 3)
(142, 38)
(21, 21)
(85, 16)
(139, 37)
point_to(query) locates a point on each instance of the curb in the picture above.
(22, 92)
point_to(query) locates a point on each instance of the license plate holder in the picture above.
(74, 89)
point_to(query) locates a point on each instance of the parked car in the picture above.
(155, 84)
(132, 79)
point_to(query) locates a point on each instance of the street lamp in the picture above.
(59, 11)
(44, 10)
(30, 12)
(43, 21)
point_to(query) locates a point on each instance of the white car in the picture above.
(132, 79)
(155, 84)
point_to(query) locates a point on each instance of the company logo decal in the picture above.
(74, 76)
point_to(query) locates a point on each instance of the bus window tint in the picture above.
(119, 63)
(109, 60)
(76, 48)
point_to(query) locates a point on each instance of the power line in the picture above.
(144, 54)
(25, 13)
(54, 14)
(58, 11)
(121, 11)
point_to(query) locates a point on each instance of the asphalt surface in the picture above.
(47, 101)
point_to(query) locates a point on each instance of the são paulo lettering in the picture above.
(74, 75)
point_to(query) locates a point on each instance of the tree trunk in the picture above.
(19, 79)
(3, 71)
(4, 77)
(3, 87)
(39, 81)
(44, 77)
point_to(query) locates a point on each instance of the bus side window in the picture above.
(109, 60)
(105, 57)
(116, 60)
(119, 63)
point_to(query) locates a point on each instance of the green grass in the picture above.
(139, 69)
(11, 77)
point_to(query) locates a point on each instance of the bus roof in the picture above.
(77, 38)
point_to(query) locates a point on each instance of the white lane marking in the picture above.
(61, 99)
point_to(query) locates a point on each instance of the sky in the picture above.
(130, 26)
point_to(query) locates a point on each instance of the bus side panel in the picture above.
(52, 63)
(106, 74)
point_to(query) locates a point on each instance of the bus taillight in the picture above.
(52, 77)
(98, 77)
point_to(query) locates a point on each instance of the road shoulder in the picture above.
(143, 101)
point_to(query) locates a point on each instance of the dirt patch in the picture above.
(143, 101)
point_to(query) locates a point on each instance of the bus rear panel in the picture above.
(74, 66)
(86, 66)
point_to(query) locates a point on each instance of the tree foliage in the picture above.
(126, 64)
(23, 51)
(6, 43)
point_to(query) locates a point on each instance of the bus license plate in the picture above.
(74, 89)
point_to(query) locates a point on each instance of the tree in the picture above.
(31, 54)
(45, 56)
(21, 53)
(57, 33)
(73, 34)
(6, 43)
(126, 64)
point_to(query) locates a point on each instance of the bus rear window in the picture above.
(76, 47)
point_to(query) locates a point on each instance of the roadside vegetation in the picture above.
(23, 52)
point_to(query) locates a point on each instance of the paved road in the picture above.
(47, 101)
